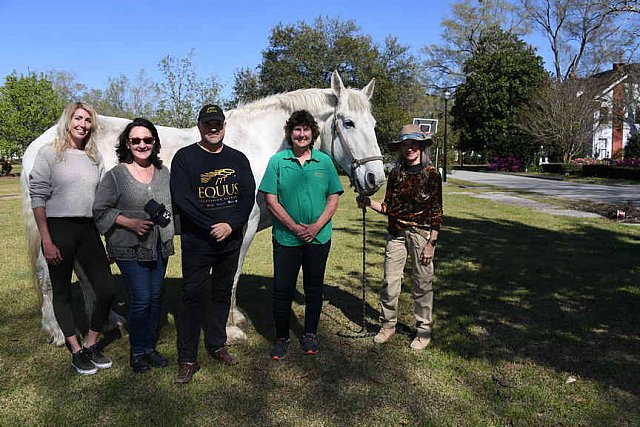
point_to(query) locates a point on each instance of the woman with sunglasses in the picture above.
(62, 185)
(133, 210)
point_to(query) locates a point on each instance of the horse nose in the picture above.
(371, 179)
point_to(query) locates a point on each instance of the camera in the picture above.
(158, 213)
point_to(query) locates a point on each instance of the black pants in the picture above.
(287, 261)
(206, 299)
(77, 238)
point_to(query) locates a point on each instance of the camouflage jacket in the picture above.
(413, 199)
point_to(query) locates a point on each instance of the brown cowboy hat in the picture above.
(410, 133)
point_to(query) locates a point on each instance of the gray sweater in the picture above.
(65, 187)
(120, 193)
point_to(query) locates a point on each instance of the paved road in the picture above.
(612, 194)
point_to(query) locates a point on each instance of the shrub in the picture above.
(506, 164)
(632, 150)
(628, 163)
(605, 171)
(563, 168)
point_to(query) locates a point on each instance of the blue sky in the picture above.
(101, 38)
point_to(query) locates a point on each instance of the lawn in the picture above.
(536, 324)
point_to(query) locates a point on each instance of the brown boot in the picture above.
(223, 355)
(186, 371)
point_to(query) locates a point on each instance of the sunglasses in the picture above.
(147, 140)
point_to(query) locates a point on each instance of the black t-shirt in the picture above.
(210, 188)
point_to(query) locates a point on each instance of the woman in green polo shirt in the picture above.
(301, 189)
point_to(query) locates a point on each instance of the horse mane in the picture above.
(309, 99)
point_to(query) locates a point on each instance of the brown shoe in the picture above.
(186, 371)
(421, 341)
(223, 355)
(384, 335)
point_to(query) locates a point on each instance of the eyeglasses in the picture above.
(147, 140)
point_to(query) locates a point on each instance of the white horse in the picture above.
(257, 129)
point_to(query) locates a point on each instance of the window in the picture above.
(604, 115)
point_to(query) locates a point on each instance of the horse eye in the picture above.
(349, 123)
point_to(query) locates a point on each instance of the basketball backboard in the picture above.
(428, 126)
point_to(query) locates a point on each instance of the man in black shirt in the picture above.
(213, 188)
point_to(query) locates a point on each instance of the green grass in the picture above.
(524, 301)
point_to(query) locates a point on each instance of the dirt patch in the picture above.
(626, 213)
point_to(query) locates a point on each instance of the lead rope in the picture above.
(363, 332)
(355, 163)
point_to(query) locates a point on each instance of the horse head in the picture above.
(349, 137)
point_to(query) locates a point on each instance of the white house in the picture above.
(618, 91)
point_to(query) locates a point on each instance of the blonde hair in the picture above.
(63, 138)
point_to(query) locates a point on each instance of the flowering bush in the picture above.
(507, 164)
(628, 163)
(586, 161)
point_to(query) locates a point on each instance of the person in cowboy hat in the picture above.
(413, 205)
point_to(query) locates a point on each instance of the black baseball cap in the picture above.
(210, 112)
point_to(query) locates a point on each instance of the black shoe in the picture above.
(310, 343)
(279, 350)
(82, 363)
(98, 359)
(139, 363)
(156, 359)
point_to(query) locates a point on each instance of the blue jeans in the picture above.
(144, 279)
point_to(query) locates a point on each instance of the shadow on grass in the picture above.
(568, 300)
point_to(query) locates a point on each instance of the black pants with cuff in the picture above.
(206, 300)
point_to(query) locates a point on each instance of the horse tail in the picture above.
(33, 236)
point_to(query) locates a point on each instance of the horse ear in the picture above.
(368, 89)
(336, 84)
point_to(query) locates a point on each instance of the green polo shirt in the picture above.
(302, 191)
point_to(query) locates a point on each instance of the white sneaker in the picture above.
(420, 342)
(384, 335)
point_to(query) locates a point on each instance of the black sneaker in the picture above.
(279, 350)
(310, 343)
(139, 363)
(97, 358)
(156, 359)
(82, 363)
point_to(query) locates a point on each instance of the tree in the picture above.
(65, 85)
(503, 72)
(182, 93)
(123, 98)
(246, 87)
(585, 34)
(28, 106)
(461, 33)
(632, 149)
(304, 55)
(559, 117)
(143, 95)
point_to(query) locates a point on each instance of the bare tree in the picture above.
(65, 84)
(182, 92)
(143, 95)
(583, 35)
(468, 22)
(560, 117)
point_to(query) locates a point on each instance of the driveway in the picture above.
(616, 194)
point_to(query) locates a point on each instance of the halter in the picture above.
(355, 162)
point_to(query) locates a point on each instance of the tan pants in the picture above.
(407, 244)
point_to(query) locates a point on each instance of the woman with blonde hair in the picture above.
(62, 186)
